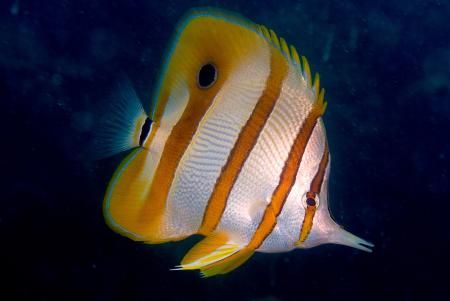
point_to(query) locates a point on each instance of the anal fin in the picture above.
(214, 255)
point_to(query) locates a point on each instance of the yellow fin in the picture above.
(265, 32)
(317, 85)
(127, 194)
(306, 71)
(321, 101)
(204, 248)
(284, 47)
(274, 38)
(294, 55)
(216, 254)
(227, 264)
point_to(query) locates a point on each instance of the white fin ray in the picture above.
(289, 51)
(217, 255)
(120, 127)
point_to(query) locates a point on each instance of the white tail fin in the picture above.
(124, 124)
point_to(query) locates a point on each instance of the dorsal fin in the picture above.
(291, 54)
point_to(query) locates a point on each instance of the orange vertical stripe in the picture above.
(310, 211)
(245, 143)
(288, 175)
(176, 145)
(287, 180)
(204, 40)
(314, 190)
(316, 184)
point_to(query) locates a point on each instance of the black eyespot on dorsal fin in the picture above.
(207, 75)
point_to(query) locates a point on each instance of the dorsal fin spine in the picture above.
(294, 55)
(301, 63)
(296, 59)
(284, 47)
(274, 38)
(265, 32)
(321, 99)
(317, 84)
(306, 71)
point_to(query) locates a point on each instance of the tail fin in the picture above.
(124, 126)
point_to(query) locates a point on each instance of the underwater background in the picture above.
(386, 68)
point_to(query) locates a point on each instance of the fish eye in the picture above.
(310, 200)
(207, 76)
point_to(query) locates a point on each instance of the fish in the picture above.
(234, 149)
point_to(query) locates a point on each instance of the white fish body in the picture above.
(237, 150)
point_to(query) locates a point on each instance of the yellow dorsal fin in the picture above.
(265, 32)
(292, 55)
(317, 85)
(274, 38)
(284, 47)
(306, 71)
(216, 254)
(321, 101)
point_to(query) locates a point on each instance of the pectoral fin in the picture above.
(214, 255)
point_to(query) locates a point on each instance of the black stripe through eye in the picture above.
(145, 130)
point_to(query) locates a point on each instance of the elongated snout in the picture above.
(343, 237)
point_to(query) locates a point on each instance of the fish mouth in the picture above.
(343, 237)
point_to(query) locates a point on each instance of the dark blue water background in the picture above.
(386, 68)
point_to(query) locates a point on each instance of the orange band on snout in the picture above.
(315, 188)
(307, 223)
